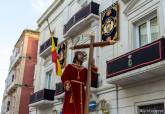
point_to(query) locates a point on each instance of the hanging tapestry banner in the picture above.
(109, 23)
(62, 53)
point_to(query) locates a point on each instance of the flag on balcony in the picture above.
(55, 59)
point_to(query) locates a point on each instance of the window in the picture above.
(8, 106)
(154, 28)
(12, 78)
(151, 109)
(148, 31)
(143, 34)
(48, 79)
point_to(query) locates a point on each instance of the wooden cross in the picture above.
(91, 50)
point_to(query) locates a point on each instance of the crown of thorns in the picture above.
(81, 52)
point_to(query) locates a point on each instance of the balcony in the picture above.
(94, 82)
(59, 89)
(141, 64)
(11, 87)
(15, 61)
(81, 19)
(43, 97)
(45, 48)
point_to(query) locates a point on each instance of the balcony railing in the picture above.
(59, 89)
(94, 82)
(92, 8)
(12, 87)
(45, 48)
(42, 95)
(138, 64)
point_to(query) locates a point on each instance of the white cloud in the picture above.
(41, 5)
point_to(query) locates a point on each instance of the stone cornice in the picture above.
(23, 34)
(130, 6)
(49, 11)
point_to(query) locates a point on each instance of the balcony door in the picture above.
(48, 79)
(148, 31)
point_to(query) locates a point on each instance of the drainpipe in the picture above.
(117, 99)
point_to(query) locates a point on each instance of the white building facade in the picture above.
(131, 72)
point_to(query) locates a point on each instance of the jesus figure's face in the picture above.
(80, 57)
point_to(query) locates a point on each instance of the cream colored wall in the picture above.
(130, 97)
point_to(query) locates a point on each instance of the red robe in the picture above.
(74, 100)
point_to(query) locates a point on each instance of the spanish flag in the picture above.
(55, 59)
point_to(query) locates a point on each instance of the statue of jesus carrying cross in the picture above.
(76, 77)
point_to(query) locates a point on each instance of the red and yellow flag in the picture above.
(55, 59)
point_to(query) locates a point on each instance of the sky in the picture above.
(15, 16)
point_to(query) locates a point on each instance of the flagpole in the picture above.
(54, 66)
(50, 29)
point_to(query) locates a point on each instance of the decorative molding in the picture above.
(130, 6)
(49, 11)
(41, 103)
(82, 2)
(125, 1)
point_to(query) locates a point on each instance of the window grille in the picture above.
(152, 109)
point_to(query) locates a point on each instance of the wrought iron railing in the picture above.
(45, 94)
(47, 44)
(59, 88)
(92, 8)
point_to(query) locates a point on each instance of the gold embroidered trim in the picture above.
(82, 83)
(77, 66)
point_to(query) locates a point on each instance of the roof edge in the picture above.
(49, 11)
